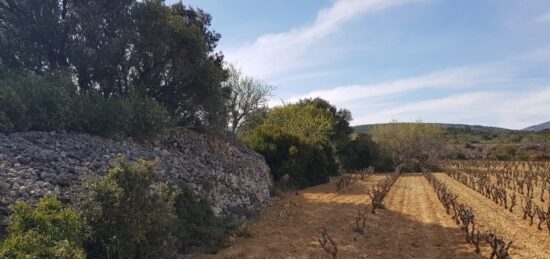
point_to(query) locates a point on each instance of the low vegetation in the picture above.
(52, 103)
(126, 214)
(45, 230)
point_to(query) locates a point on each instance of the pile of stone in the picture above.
(234, 179)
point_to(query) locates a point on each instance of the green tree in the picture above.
(48, 230)
(359, 153)
(414, 145)
(173, 60)
(341, 129)
(118, 48)
(253, 120)
(34, 35)
(248, 95)
(292, 160)
(307, 122)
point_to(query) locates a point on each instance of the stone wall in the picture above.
(233, 178)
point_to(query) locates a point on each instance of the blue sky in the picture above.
(455, 61)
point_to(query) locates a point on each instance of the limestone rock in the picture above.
(234, 179)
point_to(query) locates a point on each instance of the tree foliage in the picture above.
(248, 95)
(118, 48)
(341, 119)
(48, 230)
(127, 215)
(291, 159)
(51, 103)
(306, 122)
(131, 214)
(413, 145)
(295, 139)
(359, 153)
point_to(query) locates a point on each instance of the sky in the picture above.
(483, 62)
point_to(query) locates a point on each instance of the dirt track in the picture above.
(413, 225)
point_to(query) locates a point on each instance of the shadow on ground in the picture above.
(290, 228)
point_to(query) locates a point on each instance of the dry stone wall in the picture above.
(233, 178)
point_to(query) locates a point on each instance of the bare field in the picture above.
(412, 225)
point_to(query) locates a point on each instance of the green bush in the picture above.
(359, 153)
(291, 159)
(117, 117)
(46, 231)
(504, 153)
(52, 103)
(129, 215)
(310, 164)
(33, 102)
(197, 226)
(132, 215)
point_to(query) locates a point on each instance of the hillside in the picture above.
(539, 127)
(459, 128)
(476, 134)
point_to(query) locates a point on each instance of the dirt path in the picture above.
(528, 241)
(414, 225)
(433, 234)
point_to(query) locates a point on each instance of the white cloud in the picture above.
(515, 109)
(451, 78)
(272, 54)
(544, 18)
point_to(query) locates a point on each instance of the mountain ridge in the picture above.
(459, 127)
(538, 127)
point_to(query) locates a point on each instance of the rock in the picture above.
(234, 179)
(24, 160)
(4, 186)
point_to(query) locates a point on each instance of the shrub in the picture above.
(358, 153)
(310, 164)
(33, 102)
(274, 145)
(48, 103)
(129, 216)
(197, 226)
(132, 215)
(46, 231)
(116, 117)
(304, 164)
(504, 152)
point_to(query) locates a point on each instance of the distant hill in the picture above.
(539, 127)
(459, 128)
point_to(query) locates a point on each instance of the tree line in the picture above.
(112, 50)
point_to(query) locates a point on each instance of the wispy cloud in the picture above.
(445, 79)
(513, 109)
(544, 18)
(272, 54)
(468, 94)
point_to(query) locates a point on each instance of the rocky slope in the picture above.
(234, 179)
(539, 127)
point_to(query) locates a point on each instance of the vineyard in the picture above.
(475, 209)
